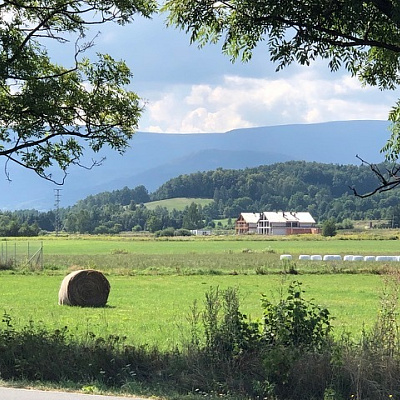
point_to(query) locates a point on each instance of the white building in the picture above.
(276, 223)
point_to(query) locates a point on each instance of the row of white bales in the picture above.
(337, 257)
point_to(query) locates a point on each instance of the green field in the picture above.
(154, 309)
(155, 282)
(178, 203)
(145, 245)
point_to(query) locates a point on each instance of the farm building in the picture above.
(276, 223)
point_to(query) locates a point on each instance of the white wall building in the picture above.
(276, 223)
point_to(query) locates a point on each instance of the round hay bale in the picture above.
(85, 288)
(304, 257)
(316, 257)
(285, 257)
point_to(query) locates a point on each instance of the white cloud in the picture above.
(239, 102)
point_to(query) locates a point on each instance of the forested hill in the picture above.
(279, 181)
(322, 189)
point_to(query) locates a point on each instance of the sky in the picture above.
(192, 90)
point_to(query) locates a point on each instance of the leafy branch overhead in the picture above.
(363, 37)
(49, 112)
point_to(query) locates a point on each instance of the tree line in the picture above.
(325, 190)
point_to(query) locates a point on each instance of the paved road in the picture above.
(27, 394)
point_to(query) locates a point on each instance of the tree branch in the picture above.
(386, 182)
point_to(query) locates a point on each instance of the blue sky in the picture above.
(191, 90)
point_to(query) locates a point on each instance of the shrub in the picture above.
(137, 228)
(295, 321)
(329, 228)
(165, 232)
(227, 330)
(346, 224)
(8, 264)
(101, 229)
(183, 232)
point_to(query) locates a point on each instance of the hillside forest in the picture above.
(322, 189)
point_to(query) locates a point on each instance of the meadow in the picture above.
(177, 203)
(154, 282)
(155, 309)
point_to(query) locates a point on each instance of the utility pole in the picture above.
(57, 196)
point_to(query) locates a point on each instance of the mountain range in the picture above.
(154, 158)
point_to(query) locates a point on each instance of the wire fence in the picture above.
(21, 254)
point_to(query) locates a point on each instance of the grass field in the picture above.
(146, 245)
(154, 282)
(178, 203)
(154, 309)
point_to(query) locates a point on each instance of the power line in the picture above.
(57, 196)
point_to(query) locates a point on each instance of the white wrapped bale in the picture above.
(332, 257)
(369, 258)
(304, 257)
(386, 258)
(348, 258)
(285, 257)
(316, 257)
(358, 258)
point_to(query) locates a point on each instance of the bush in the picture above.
(183, 232)
(137, 228)
(227, 331)
(165, 232)
(295, 321)
(329, 228)
(345, 224)
(101, 229)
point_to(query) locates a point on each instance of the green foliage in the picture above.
(168, 232)
(385, 332)
(361, 37)
(227, 331)
(321, 189)
(295, 321)
(55, 111)
(192, 217)
(329, 228)
(345, 224)
(182, 232)
(11, 225)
